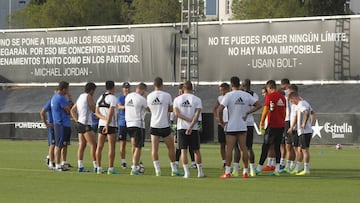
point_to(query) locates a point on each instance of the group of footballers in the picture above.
(286, 121)
(119, 117)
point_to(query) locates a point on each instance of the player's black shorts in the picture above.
(295, 139)
(138, 134)
(221, 135)
(249, 137)
(122, 133)
(304, 140)
(81, 128)
(273, 135)
(192, 141)
(111, 130)
(286, 139)
(67, 134)
(161, 132)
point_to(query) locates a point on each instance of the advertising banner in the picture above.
(317, 49)
(328, 129)
(303, 50)
(137, 54)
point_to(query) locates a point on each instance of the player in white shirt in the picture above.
(135, 107)
(187, 108)
(223, 89)
(287, 150)
(81, 113)
(105, 111)
(304, 129)
(237, 102)
(245, 85)
(160, 104)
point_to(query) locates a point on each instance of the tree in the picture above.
(256, 9)
(68, 13)
(325, 7)
(156, 11)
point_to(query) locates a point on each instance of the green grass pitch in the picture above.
(24, 177)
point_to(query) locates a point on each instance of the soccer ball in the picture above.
(338, 146)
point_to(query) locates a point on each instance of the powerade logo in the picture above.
(337, 131)
(29, 125)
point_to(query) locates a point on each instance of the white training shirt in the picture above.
(135, 106)
(187, 104)
(237, 102)
(250, 118)
(225, 112)
(83, 109)
(112, 101)
(301, 107)
(159, 103)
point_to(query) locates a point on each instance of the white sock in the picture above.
(186, 170)
(58, 166)
(298, 166)
(80, 164)
(99, 169)
(193, 162)
(307, 167)
(123, 160)
(282, 161)
(94, 164)
(273, 161)
(236, 167)
(252, 167)
(223, 161)
(227, 169)
(259, 167)
(277, 168)
(269, 160)
(287, 165)
(63, 162)
(173, 167)
(110, 169)
(245, 170)
(156, 166)
(292, 164)
(200, 171)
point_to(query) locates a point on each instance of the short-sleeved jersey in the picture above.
(301, 107)
(225, 111)
(121, 117)
(84, 111)
(47, 108)
(110, 101)
(250, 117)
(159, 103)
(187, 105)
(238, 103)
(135, 109)
(58, 104)
(277, 109)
